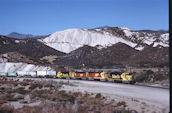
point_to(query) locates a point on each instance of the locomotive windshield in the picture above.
(115, 73)
(65, 72)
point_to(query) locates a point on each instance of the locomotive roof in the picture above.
(116, 73)
(80, 72)
(64, 72)
(94, 72)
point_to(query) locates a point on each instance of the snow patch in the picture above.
(161, 44)
(127, 31)
(139, 48)
(14, 67)
(17, 41)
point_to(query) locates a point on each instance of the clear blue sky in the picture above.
(41, 17)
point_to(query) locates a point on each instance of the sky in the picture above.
(42, 17)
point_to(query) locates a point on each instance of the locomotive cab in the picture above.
(63, 74)
(116, 76)
(127, 78)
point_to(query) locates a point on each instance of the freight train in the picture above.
(124, 77)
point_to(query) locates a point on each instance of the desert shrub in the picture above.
(3, 99)
(28, 80)
(121, 103)
(76, 94)
(86, 94)
(158, 76)
(40, 94)
(66, 97)
(98, 95)
(10, 97)
(149, 72)
(24, 101)
(141, 76)
(33, 86)
(49, 85)
(6, 109)
(124, 111)
(21, 90)
(2, 89)
(24, 83)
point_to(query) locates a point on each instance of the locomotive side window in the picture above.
(115, 75)
(65, 72)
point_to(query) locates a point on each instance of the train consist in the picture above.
(124, 77)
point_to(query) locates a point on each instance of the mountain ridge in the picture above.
(24, 36)
(109, 47)
(71, 39)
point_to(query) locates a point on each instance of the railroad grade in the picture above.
(97, 81)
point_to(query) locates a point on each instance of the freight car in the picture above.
(50, 74)
(11, 74)
(3, 74)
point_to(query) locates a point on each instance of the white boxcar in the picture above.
(51, 74)
(31, 73)
(41, 73)
(21, 73)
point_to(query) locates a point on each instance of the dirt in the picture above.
(20, 95)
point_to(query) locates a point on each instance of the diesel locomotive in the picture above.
(124, 77)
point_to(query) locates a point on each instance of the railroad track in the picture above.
(136, 84)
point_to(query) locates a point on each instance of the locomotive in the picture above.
(124, 77)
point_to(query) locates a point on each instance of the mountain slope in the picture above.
(106, 47)
(115, 56)
(72, 39)
(31, 48)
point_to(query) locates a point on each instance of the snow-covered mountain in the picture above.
(72, 39)
(106, 47)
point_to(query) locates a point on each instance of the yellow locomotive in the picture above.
(124, 77)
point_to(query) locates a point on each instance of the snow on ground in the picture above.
(160, 43)
(139, 48)
(17, 41)
(71, 39)
(14, 67)
(127, 31)
(20, 105)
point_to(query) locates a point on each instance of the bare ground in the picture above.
(139, 98)
(20, 95)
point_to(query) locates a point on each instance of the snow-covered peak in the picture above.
(127, 31)
(125, 28)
